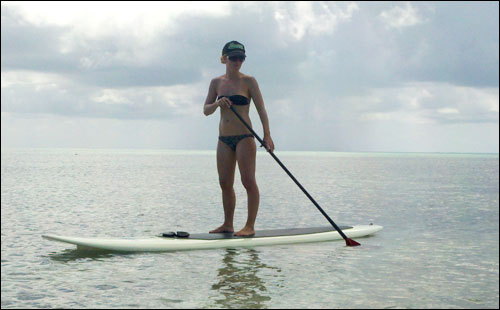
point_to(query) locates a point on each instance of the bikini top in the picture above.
(237, 99)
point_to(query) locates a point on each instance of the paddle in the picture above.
(348, 241)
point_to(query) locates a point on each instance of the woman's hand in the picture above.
(269, 144)
(224, 102)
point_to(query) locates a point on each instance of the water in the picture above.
(439, 247)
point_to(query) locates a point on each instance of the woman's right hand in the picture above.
(224, 102)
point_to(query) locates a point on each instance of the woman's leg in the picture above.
(246, 152)
(226, 163)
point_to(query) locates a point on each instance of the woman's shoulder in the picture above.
(248, 78)
(250, 81)
(217, 78)
(216, 81)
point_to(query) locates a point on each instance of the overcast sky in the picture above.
(335, 76)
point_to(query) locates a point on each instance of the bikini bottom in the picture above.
(232, 141)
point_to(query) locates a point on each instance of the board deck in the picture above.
(268, 233)
(211, 241)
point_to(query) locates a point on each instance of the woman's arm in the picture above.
(210, 104)
(261, 109)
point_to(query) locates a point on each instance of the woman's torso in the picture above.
(238, 91)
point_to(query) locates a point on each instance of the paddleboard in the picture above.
(220, 240)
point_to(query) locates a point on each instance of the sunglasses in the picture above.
(239, 57)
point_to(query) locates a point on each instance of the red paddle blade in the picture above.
(350, 242)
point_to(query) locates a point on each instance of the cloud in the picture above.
(142, 19)
(345, 44)
(399, 16)
(33, 92)
(329, 67)
(456, 44)
(412, 103)
(137, 47)
(296, 19)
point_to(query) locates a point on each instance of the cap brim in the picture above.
(236, 53)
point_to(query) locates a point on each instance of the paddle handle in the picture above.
(349, 242)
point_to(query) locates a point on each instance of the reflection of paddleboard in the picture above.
(172, 242)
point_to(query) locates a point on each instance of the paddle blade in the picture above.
(350, 242)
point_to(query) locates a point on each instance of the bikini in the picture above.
(232, 141)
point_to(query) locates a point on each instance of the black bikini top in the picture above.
(237, 99)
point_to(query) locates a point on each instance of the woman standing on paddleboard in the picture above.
(236, 143)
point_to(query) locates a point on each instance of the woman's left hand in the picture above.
(269, 144)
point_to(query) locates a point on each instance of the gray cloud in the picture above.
(333, 68)
(29, 47)
(458, 44)
(455, 43)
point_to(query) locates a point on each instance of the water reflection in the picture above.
(238, 282)
(69, 255)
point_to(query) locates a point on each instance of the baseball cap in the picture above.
(233, 48)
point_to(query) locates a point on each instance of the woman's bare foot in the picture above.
(245, 232)
(223, 229)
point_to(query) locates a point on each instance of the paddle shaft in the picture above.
(295, 180)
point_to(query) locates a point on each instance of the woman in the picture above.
(236, 143)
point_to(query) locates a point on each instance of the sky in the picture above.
(335, 76)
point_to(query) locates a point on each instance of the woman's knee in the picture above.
(249, 183)
(226, 184)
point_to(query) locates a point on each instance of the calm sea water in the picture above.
(439, 247)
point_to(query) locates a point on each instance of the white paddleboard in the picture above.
(212, 241)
